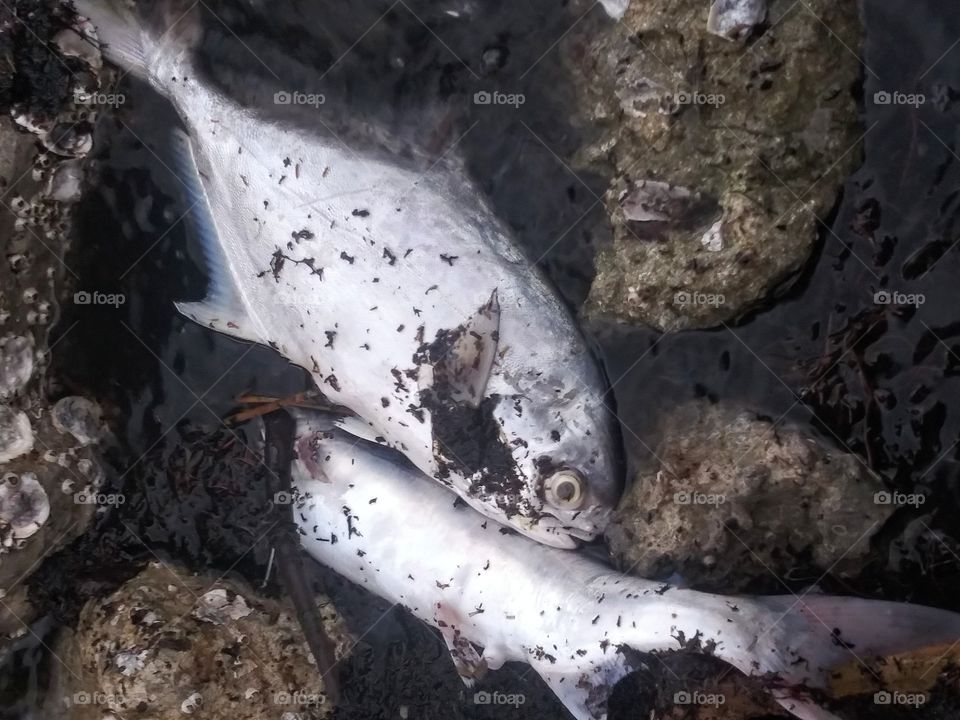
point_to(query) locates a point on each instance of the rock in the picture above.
(724, 154)
(79, 417)
(733, 497)
(16, 435)
(168, 644)
(51, 480)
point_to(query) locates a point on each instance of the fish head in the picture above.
(566, 449)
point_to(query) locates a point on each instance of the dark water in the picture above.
(881, 381)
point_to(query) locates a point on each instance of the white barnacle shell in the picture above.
(16, 435)
(216, 607)
(16, 364)
(192, 703)
(24, 506)
(79, 417)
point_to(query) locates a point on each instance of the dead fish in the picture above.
(397, 288)
(499, 597)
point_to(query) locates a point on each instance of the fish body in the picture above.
(496, 596)
(399, 290)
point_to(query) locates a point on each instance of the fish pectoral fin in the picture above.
(470, 665)
(468, 365)
(223, 308)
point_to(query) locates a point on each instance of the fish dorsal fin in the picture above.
(223, 308)
(469, 363)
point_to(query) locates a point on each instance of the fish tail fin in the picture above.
(814, 634)
(802, 641)
(793, 646)
(131, 42)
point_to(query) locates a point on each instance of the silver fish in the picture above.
(399, 290)
(500, 597)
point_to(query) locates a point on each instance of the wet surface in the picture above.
(882, 380)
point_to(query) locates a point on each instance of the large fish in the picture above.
(498, 597)
(397, 288)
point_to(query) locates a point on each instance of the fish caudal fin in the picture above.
(121, 35)
(803, 640)
(129, 43)
(794, 646)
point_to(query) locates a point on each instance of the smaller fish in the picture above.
(496, 596)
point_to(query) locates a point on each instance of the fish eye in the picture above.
(565, 489)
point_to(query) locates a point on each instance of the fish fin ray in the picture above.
(358, 427)
(223, 308)
(120, 34)
(469, 364)
(469, 663)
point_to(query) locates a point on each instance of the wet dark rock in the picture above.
(49, 481)
(767, 129)
(735, 497)
(169, 644)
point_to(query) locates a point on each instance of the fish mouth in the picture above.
(549, 530)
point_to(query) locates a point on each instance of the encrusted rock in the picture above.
(760, 497)
(724, 153)
(168, 644)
